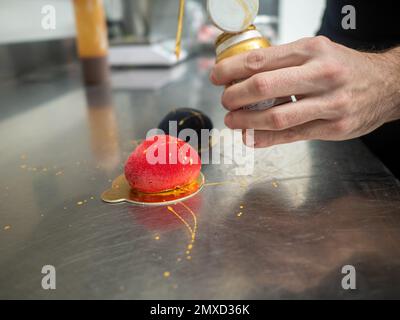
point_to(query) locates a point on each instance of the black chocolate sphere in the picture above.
(187, 118)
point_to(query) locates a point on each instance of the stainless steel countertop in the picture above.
(308, 210)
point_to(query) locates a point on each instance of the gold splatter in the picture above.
(191, 230)
(183, 220)
(8, 227)
(79, 203)
(241, 207)
(59, 173)
(211, 184)
(44, 169)
(275, 184)
(157, 237)
(92, 198)
(167, 274)
(243, 183)
(84, 201)
(179, 259)
(240, 214)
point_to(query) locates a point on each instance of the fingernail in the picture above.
(249, 138)
(228, 119)
(212, 78)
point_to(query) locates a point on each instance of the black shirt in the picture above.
(377, 28)
(377, 24)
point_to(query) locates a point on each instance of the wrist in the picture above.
(391, 59)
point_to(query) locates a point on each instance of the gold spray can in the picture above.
(231, 44)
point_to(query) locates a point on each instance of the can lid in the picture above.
(233, 15)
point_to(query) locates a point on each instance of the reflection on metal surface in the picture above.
(164, 219)
(103, 126)
(334, 204)
(122, 192)
(159, 220)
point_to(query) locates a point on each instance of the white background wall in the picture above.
(20, 20)
(299, 18)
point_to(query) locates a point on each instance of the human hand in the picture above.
(342, 93)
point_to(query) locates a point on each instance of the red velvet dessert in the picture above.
(162, 163)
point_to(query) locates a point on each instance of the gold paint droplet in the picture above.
(44, 169)
(275, 184)
(188, 252)
(79, 203)
(157, 237)
(240, 214)
(91, 198)
(59, 173)
(7, 228)
(241, 207)
(167, 274)
(190, 247)
(189, 257)
(179, 259)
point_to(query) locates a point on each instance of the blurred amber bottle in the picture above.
(92, 40)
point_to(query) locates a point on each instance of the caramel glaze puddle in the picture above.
(122, 192)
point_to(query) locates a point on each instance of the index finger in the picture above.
(245, 65)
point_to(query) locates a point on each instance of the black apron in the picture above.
(377, 28)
